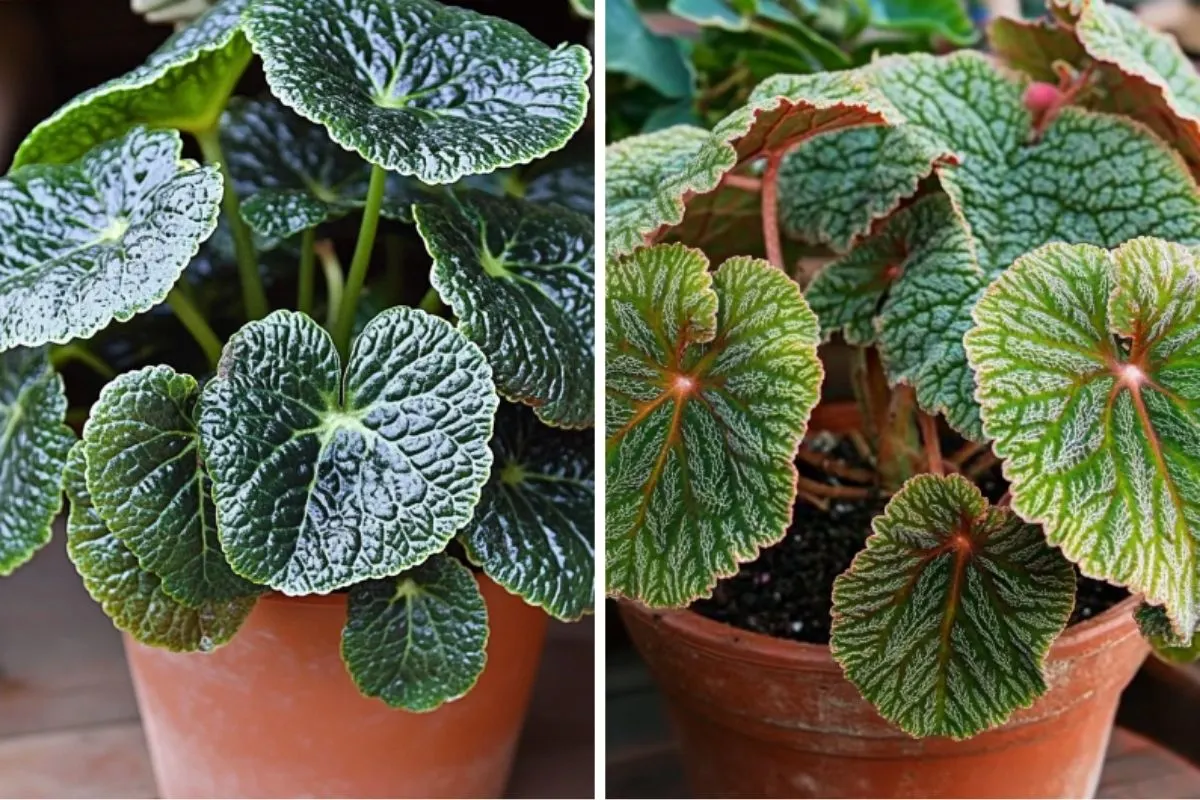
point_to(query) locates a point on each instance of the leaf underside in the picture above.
(422, 89)
(100, 240)
(710, 381)
(418, 640)
(944, 620)
(183, 85)
(1156, 628)
(520, 279)
(33, 453)
(1088, 365)
(131, 596)
(322, 480)
(533, 530)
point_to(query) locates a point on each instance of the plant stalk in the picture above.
(335, 280)
(308, 259)
(80, 354)
(933, 446)
(243, 242)
(191, 318)
(362, 260)
(770, 210)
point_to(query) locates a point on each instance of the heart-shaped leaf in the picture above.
(534, 526)
(710, 381)
(417, 641)
(100, 240)
(1087, 363)
(322, 479)
(130, 595)
(1131, 68)
(33, 453)
(520, 279)
(183, 85)
(148, 485)
(1156, 627)
(1011, 189)
(291, 176)
(944, 620)
(427, 90)
(651, 178)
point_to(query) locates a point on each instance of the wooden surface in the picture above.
(69, 724)
(643, 760)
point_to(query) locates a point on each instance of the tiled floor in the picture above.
(69, 725)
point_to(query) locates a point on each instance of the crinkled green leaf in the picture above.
(149, 486)
(1087, 178)
(710, 381)
(651, 178)
(1155, 626)
(100, 240)
(419, 88)
(1135, 70)
(33, 453)
(324, 479)
(291, 176)
(1088, 365)
(944, 620)
(634, 50)
(417, 641)
(520, 279)
(183, 85)
(534, 526)
(130, 595)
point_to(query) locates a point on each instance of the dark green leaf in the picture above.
(100, 240)
(520, 277)
(634, 50)
(572, 186)
(417, 641)
(534, 526)
(427, 90)
(33, 453)
(1156, 627)
(323, 480)
(948, 19)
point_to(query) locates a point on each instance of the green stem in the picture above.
(308, 259)
(335, 281)
(432, 302)
(362, 260)
(252, 289)
(196, 325)
(79, 353)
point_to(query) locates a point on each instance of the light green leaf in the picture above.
(534, 528)
(651, 178)
(1088, 365)
(33, 453)
(1156, 628)
(417, 641)
(634, 50)
(948, 19)
(520, 279)
(710, 381)
(422, 89)
(584, 8)
(100, 240)
(323, 480)
(944, 620)
(132, 597)
(149, 486)
(183, 85)
(291, 176)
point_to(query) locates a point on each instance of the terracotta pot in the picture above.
(758, 716)
(274, 713)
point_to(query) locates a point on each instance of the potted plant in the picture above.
(1012, 263)
(360, 506)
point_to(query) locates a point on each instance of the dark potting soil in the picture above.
(787, 591)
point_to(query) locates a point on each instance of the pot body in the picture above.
(275, 714)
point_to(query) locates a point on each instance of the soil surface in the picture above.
(786, 592)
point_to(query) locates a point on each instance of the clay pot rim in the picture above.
(743, 645)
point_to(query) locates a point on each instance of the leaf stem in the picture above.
(933, 446)
(335, 280)
(818, 489)
(191, 318)
(243, 242)
(362, 259)
(770, 210)
(836, 467)
(308, 260)
(431, 303)
(747, 183)
(79, 353)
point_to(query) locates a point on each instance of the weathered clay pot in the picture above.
(758, 716)
(274, 713)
